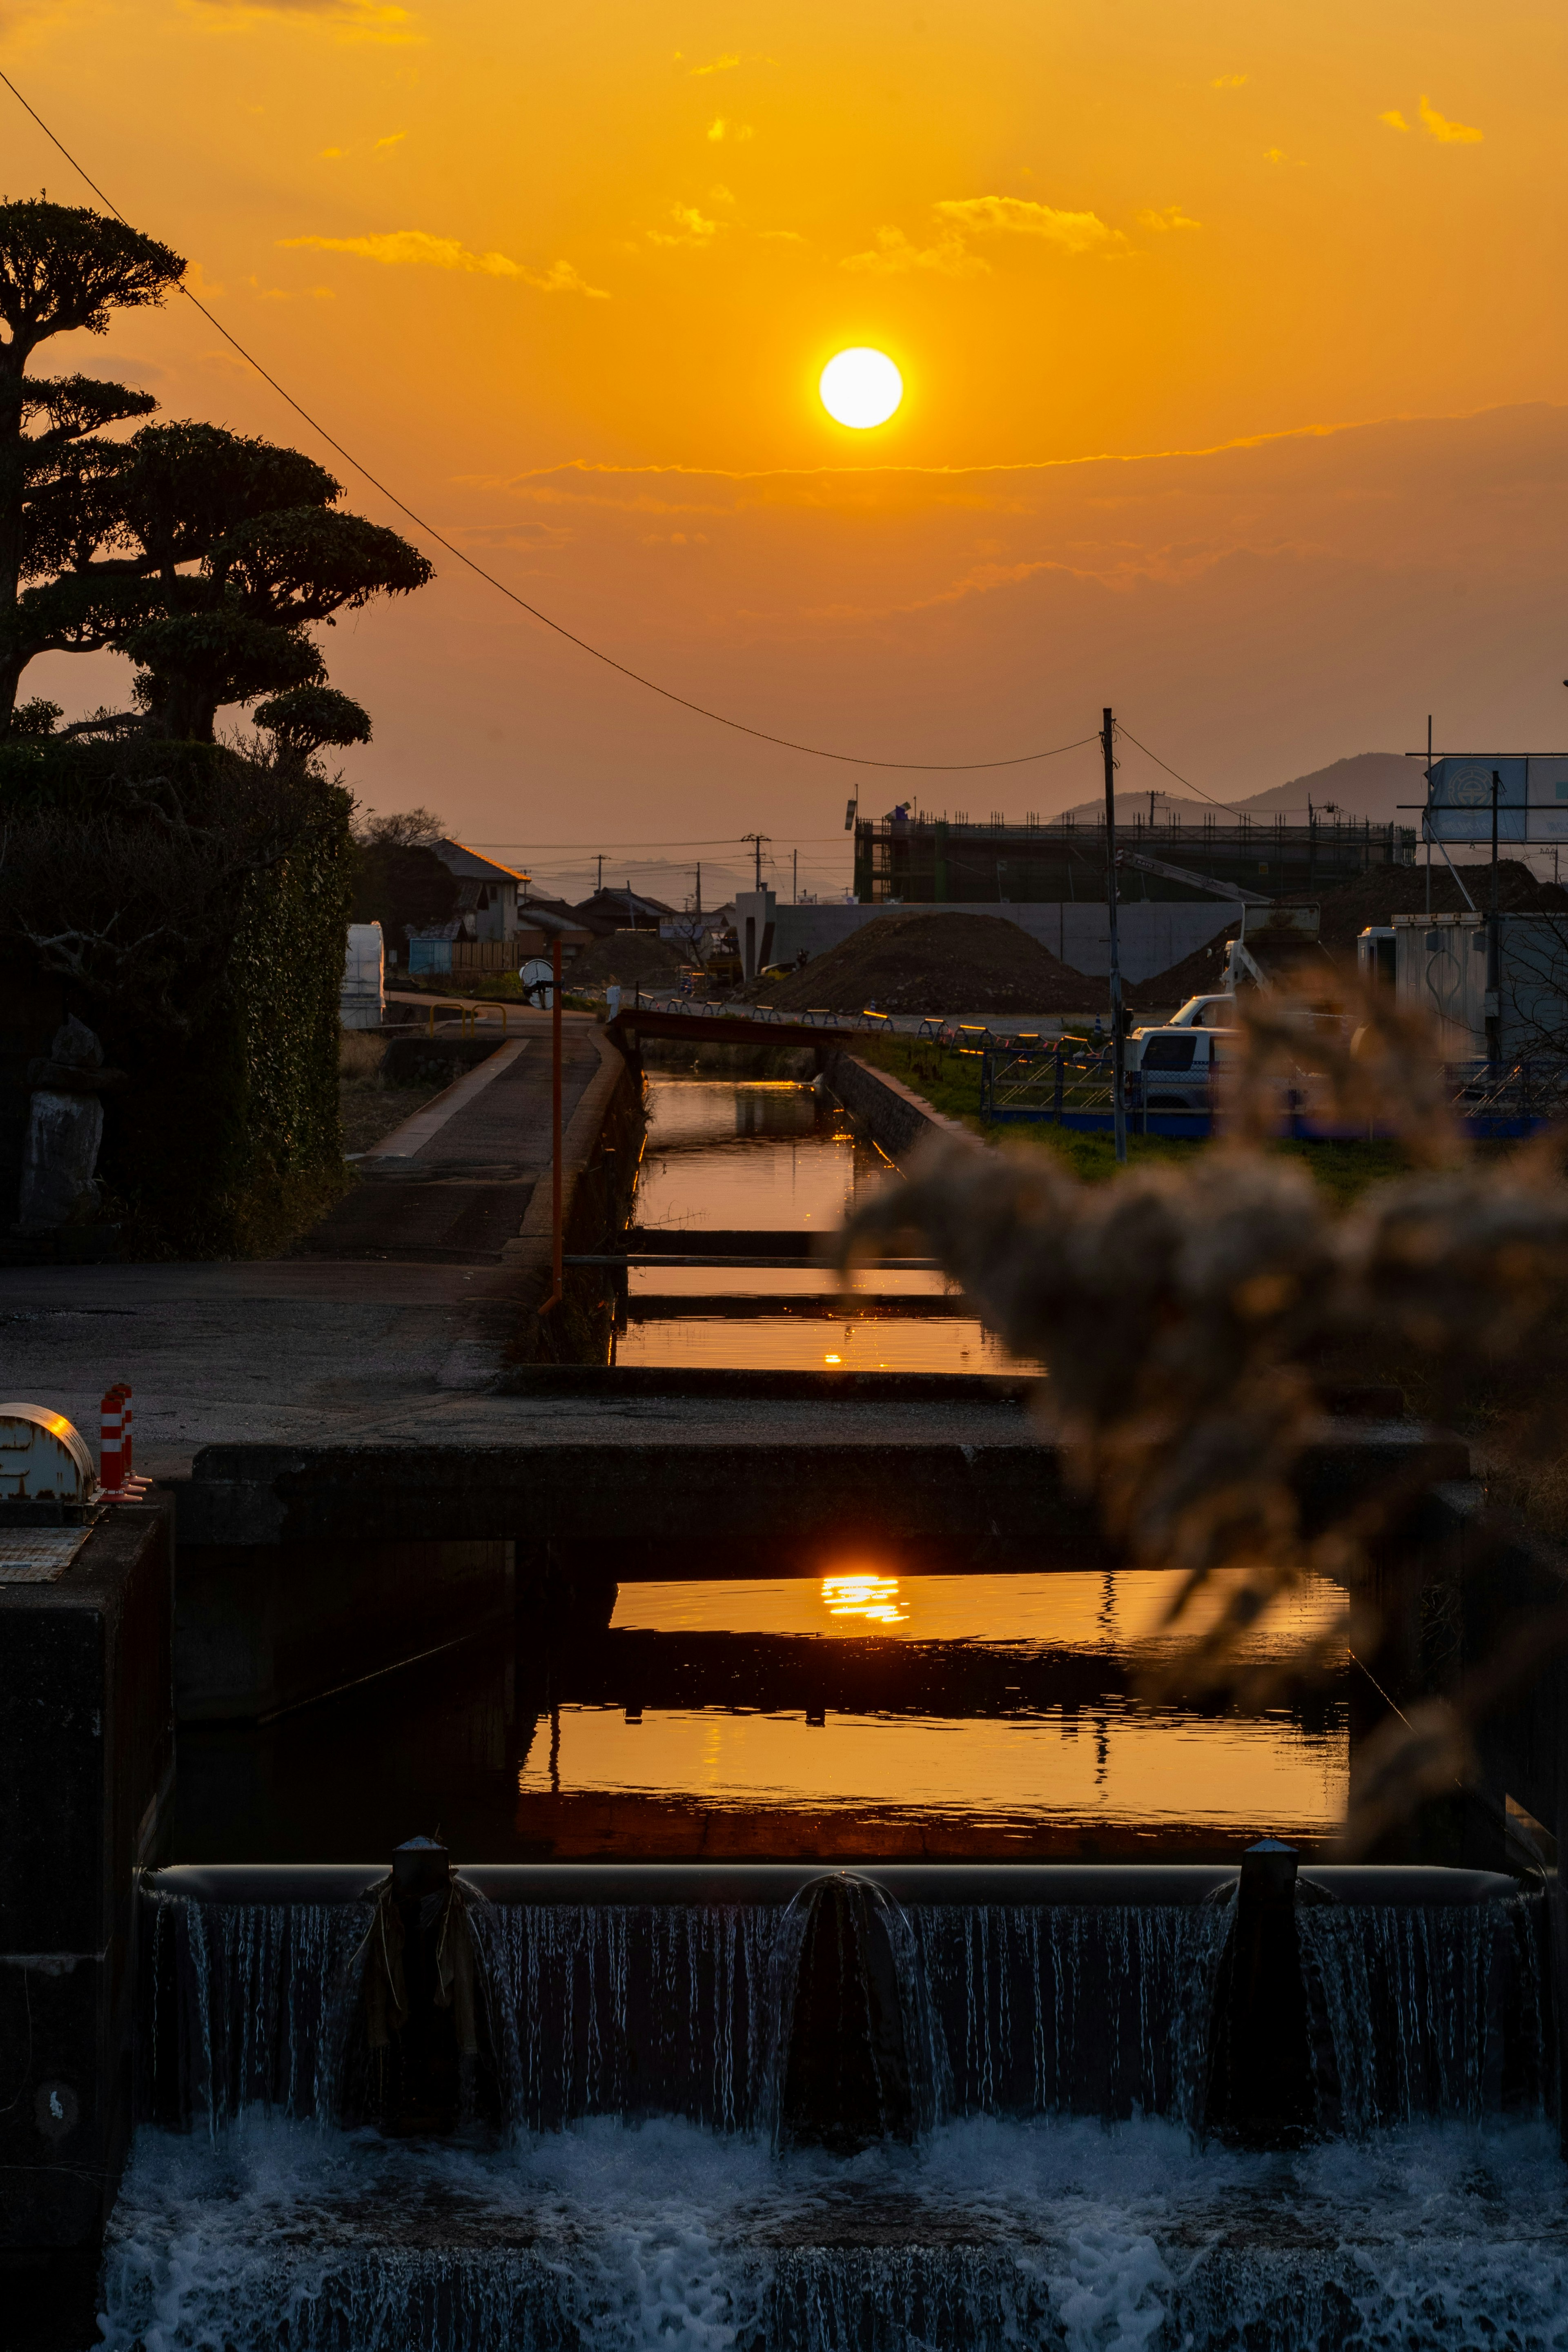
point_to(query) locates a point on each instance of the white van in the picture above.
(1176, 1062)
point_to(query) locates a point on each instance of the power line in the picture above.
(811, 751)
(1171, 771)
(717, 841)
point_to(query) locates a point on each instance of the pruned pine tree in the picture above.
(64, 270)
(206, 556)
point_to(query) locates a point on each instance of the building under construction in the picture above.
(925, 861)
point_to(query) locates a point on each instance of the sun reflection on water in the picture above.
(873, 1599)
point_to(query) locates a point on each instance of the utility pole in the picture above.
(600, 883)
(1427, 821)
(758, 839)
(794, 887)
(1117, 1033)
(700, 887)
(1494, 1010)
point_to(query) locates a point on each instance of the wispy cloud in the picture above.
(392, 138)
(720, 128)
(690, 229)
(1173, 217)
(1395, 119)
(715, 64)
(413, 248)
(287, 294)
(1017, 216)
(1229, 82)
(346, 20)
(894, 255)
(1451, 134)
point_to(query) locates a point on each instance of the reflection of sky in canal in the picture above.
(865, 1345)
(1072, 1610)
(748, 1157)
(860, 1711)
(1109, 1763)
(764, 1158)
(1003, 1716)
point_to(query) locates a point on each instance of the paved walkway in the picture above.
(452, 1185)
(410, 1290)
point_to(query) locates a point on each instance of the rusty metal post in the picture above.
(556, 1239)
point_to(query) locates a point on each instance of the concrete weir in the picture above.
(364, 1460)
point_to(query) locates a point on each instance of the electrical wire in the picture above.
(720, 841)
(739, 726)
(1163, 763)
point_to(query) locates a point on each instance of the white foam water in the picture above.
(283, 2236)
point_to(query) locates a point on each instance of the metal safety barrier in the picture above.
(1070, 1085)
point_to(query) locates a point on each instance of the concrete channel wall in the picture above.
(87, 1763)
(594, 1174)
(892, 1114)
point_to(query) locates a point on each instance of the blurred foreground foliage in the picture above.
(1194, 1315)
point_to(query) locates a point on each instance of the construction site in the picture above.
(924, 860)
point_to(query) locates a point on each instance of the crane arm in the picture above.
(1197, 881)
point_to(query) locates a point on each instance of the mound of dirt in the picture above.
(628, 959)
(1371, 898)
(1390, 890)
(939, 964)
(1202, 973)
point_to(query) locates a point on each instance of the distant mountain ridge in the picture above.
(1367, 784)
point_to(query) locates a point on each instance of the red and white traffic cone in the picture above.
(116, 1483)
(110, 1456)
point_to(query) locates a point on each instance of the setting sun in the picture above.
(861, 388)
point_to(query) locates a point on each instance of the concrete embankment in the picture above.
(892, 1114)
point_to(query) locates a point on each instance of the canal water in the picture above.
(772, 1157)
(855, 1715)
(851, 1714)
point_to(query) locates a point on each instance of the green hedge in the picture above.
(227, 1142)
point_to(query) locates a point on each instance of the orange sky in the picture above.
(567, 278)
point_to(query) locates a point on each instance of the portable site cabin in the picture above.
(361, 1001)
(1441, 968)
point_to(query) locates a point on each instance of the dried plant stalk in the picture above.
(1180, 1312)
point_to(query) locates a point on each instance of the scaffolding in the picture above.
(921, 860)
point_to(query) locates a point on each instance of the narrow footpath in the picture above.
(452, 1185)
(411, 1290)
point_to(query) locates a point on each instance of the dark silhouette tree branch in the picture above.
(64, 269)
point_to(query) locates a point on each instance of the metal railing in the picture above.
(953, 1037)
(1070, 1087)
(469, 1013)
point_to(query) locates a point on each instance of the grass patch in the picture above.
(950, 1083)
(368, 1106)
